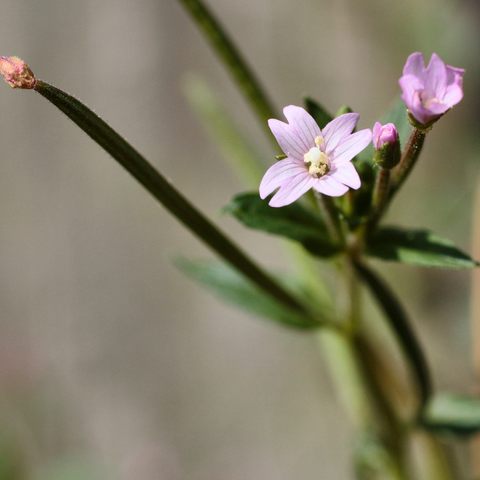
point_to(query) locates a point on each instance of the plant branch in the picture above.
(164, 192)
(400, 323)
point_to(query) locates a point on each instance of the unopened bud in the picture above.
(386, 144)
(16, 73)
(384, 134)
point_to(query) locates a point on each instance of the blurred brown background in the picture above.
(114, 365)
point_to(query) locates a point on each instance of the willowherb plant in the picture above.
(324, 155)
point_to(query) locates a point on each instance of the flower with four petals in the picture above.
(318, 159)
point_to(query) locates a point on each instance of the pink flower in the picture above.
(315, 159)
(383, 134)
(430, 92)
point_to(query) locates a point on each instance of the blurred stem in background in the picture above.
(231, 58)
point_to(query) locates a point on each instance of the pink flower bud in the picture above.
(383, 134)
(16, 73)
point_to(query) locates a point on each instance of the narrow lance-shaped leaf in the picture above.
(292, 221)
(453, 414)
(231, 287)
(417, 247)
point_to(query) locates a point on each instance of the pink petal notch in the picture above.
(315, 159)
(429, 92)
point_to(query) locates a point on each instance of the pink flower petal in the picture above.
(435, 78)
(303, 124)
(278, 174)
(350, 147)
(453, 95)
(376, 130)
(415, 66)
(338, 129)
(292, 190)
(289, 141)
(329, 186)
(454, 75)
(347, 175)
(298, 136)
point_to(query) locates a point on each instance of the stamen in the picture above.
(427, 103)
(319, 170)
(318, 160)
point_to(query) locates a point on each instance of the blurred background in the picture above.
(113, 364)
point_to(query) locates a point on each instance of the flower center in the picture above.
(427, 102)
(317, 159)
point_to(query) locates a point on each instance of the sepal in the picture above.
(388, 156)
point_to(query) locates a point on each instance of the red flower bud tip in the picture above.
(16, 73)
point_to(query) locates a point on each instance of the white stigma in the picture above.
(317, 159)
(313, 155)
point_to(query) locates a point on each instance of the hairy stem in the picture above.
(379, 199)
(410, 155)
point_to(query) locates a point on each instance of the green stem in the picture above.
(352, 383)
(410, 155)
(331, 217)
(379, 199)
(164, 192)
(349, 379)
(231, 57)
(401, 325)
(432, 463)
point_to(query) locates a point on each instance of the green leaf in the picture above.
(321, 116)
(417, 247)
(293, 221)
(233, 288)
(453, 414)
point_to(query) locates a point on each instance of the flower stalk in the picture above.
(331, 218)
(409, 158)
(379, 198)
